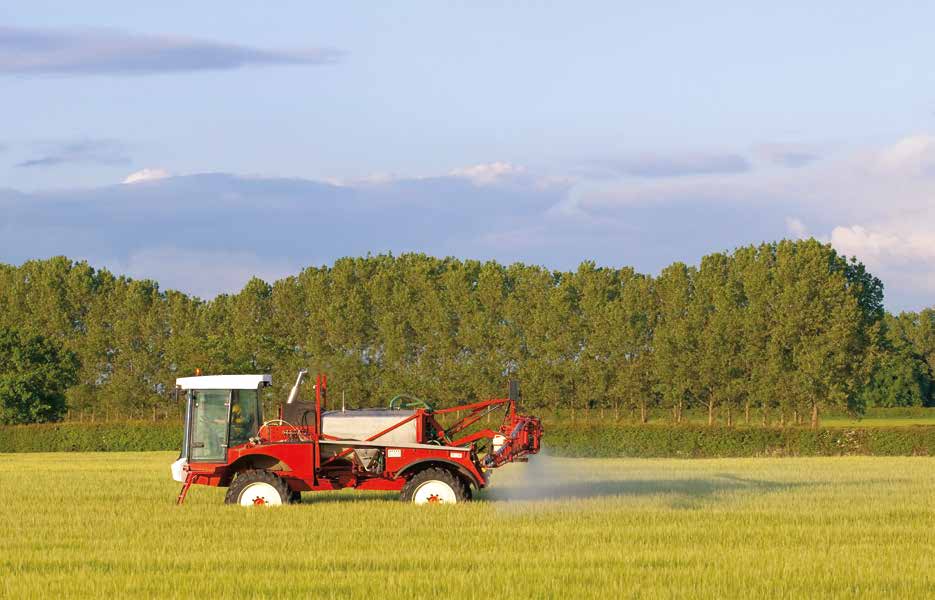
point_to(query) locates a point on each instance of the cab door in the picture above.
(210, 410)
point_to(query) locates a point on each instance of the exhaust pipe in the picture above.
(294, 392)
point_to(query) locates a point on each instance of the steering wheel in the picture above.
(397, 402)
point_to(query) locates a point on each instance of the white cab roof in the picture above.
(224, 382)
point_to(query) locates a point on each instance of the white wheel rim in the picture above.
(260, 494)
(434, 492)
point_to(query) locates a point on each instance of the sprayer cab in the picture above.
(428, 455)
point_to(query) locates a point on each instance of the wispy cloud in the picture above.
(872, 202)
(101, 152)
(787, 155)
(662, 166)
(185, 269)
(108, 52)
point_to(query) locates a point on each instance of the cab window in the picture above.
(244, 415)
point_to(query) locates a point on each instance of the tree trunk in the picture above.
(746, 413)
(815, 416)
(795, 416)
(782, 419)
(765, 417)
(642, 411)
(730, 417)
(710, 413)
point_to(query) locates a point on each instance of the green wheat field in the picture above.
(104, 525)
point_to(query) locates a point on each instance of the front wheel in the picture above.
(434, 486)
(258, 488)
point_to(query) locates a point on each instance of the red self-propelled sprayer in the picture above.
(403, 447)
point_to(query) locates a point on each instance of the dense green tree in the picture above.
(676, 340)
(786, 329)
(631, 326)
(818, 338)
(900, 374)
(716, 309)
(898, 380)
(599, 291)
(34, 374)
(753, 268)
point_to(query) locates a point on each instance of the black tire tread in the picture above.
(245, 478)
(462, 493)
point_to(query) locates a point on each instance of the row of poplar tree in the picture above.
(782, 329)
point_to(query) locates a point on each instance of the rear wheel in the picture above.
(435, 486)
(258, 488)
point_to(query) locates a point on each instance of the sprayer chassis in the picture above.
(307, 459)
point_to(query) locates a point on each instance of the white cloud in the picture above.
(373, 179)
(873, 202)
(882, 245)
(911, 156)
(146, 175)
(796, 228)
(490, 173)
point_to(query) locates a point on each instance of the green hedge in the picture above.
(687, 441)
(91, 437)
(900, 412)
(697, 441)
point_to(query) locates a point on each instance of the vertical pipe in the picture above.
(317, 421)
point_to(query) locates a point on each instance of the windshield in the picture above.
(209, 424)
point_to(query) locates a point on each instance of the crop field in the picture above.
(104, 525)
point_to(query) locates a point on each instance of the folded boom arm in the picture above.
(517, 437)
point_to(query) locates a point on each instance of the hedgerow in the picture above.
(686, 441)
(91, 437)
(697, 441)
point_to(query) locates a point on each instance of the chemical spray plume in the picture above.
(547, 477)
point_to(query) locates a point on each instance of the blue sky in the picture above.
(633, 134)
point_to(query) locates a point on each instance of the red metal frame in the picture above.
(294, 452)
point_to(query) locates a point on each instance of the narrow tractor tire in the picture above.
(435, 486)
(277, 490)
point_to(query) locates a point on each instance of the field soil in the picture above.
(105, 525)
